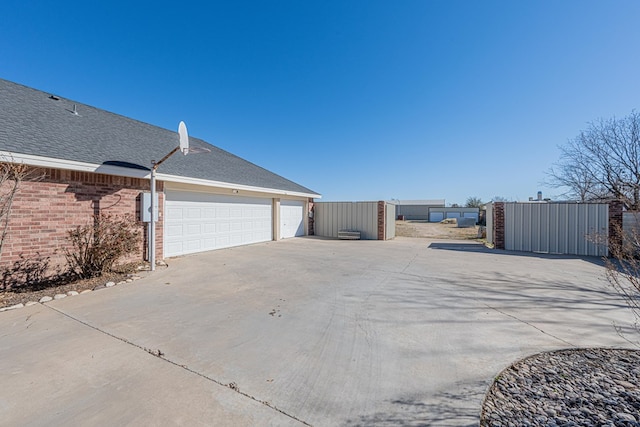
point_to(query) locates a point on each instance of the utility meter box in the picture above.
(145, 208)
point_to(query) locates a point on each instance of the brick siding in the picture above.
(615, 226)
(498, 225)
(381, 221)
(55, 201)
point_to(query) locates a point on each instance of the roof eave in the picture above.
(229, 185)
(49, 162)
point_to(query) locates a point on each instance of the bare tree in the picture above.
(602, 163)
(474, 202)
(499, 199)
(572, 173)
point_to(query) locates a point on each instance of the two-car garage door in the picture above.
(196, 222)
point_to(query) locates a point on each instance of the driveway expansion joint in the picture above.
(161, 355)
(530, 324)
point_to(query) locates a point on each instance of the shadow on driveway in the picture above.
(480, 248)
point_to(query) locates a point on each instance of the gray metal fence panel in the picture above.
(390, 222)
(563, 228)
(329, 217)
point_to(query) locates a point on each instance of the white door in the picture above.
(291, 218)
(196, 222)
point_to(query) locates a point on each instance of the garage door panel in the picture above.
(174, 213)
(174, 247)
(197, 222)
(291, 218)
(194, 245)
(173, 230)
(194, 213)
(193, 229)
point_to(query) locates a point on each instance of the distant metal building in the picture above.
(417, 209)
(439, 214)
(431, 210)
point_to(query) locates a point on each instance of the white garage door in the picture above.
(196, 222)
(291, 218)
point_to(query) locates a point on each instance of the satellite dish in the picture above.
(184, 138)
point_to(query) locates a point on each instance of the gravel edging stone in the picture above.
(45, 299)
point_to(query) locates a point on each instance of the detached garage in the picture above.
(86, 161)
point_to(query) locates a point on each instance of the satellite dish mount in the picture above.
(184, 147)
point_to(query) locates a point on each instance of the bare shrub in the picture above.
(623, 266)
(95, 248)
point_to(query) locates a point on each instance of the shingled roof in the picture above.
(36, 123)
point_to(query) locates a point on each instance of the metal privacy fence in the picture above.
(373, 220)
(555, 228)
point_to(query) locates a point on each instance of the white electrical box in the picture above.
(145, 209)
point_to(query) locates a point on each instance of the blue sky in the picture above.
(357, 100)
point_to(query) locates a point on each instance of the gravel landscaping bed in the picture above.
(578, 387)
(24, 295)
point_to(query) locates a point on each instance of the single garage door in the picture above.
(196, 222)
(291, 218)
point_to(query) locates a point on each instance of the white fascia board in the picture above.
(219, 184)
(49, 162)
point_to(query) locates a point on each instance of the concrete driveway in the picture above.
(305, 331)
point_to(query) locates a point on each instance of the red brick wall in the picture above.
(46, 207)
(615, 226)
(498, 225)
(381, 220)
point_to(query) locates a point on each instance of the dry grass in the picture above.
(435, 230)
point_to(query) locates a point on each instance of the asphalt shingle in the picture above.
(36, 123)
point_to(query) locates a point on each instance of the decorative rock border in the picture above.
(575, 387)
(130, 278)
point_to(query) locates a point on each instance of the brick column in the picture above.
(615, 226)
(498, 225)
(381, 218)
